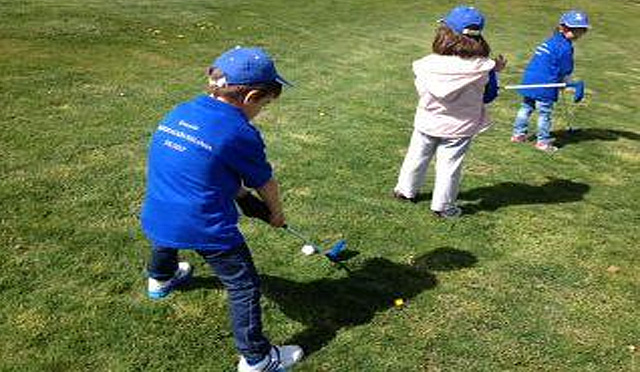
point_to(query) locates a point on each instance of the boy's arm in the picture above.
(270, 194)
(566, 65)
(246, 155)
(562, 65)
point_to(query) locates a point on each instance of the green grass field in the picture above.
(542, 274)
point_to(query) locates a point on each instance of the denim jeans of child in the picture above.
(235, 269)
(545, 110)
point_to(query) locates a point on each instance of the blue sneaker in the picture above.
(157, 289)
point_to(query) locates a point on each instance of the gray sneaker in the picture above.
(401, 197)
(451, 212)
(279, 359)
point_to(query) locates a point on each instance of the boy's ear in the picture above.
(209, 71)
(253, 96)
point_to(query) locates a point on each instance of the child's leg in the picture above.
(449, 157)
(163, 263)
(521, 123)
(236, 271)
(545, 111)
(415, 164)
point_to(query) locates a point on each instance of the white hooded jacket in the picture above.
(451, 93)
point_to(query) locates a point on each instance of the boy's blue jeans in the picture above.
(545, 110)
(235, 269)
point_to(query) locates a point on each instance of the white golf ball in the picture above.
(308, 250)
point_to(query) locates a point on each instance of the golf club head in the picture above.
(333, 254)
(578, 87)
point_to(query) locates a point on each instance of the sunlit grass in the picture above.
(541, 274)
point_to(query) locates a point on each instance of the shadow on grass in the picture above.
(212, 282)
(491, 198)
(567, 137)
(325, 306)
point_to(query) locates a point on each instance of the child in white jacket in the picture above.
(454, 84)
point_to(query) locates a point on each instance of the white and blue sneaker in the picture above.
(279, 359)
(157, 289)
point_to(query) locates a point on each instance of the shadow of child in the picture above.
(325, 306)
(493, 197)
(566, 137)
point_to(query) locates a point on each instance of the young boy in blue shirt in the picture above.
(203, 156)
(552, 62)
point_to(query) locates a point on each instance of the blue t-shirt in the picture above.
(552, 62)
(199, 156)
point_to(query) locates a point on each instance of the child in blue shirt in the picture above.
(552, 62)
(203, 156)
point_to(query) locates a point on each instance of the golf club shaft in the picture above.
(298, 235)
(534, 86)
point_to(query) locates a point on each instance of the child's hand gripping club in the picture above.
(266, 207)
(253, 207)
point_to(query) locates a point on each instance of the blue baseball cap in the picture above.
(575, 19)
(465, 20)
(242, 65)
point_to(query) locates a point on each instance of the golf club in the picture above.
(254, 207)
(333, 253)
(567, 112)
(578, 87)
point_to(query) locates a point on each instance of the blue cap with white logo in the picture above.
(248, 66)
(465, 20)
(575, 19)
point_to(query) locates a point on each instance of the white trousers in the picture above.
(449, 154)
